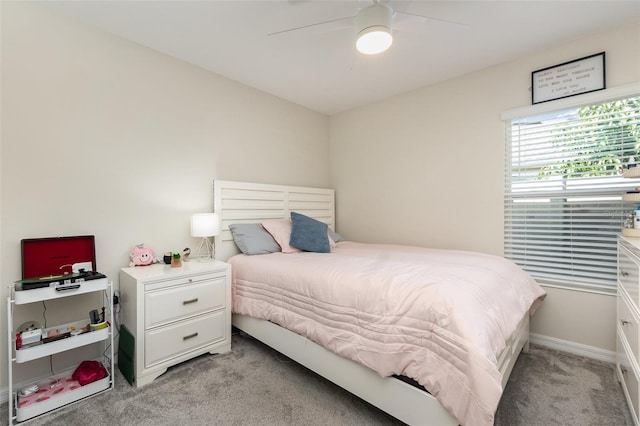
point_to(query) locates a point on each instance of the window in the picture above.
(563, 184)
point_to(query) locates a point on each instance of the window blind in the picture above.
(563, 191)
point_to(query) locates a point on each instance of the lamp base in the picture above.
(205, 252)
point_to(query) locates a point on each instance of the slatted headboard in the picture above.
(244, 202)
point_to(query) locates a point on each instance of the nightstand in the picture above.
(175, 314)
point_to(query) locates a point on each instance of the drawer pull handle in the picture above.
(624, 322)
(186, 302)
(624, 273)
(192, 335)
(190, 280)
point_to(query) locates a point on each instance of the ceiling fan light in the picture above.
(374, 40)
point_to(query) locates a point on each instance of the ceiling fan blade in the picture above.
(329, 25)
(400, 17)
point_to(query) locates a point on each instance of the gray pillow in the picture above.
(335, 236)
(252, 238)
(309, 234)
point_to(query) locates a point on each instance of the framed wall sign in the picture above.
(571, 78)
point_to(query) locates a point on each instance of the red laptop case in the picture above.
(51, 256)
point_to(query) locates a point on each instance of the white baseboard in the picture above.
(573, 348)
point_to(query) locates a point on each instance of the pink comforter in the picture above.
(440, 317)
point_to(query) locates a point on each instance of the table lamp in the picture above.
(205, 225)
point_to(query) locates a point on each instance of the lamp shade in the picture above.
(374, 29)
(205, 225)
(374, 40)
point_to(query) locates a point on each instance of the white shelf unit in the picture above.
(69, 393)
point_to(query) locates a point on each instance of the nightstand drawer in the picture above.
(629, 379)
(179, 302)
(182, 280)
(628, 275)
(177, 339)
(629, 324)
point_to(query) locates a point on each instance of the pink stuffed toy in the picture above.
(142, 256)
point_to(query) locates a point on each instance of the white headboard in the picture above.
(244, 202)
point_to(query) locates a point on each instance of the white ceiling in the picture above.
(319, 67)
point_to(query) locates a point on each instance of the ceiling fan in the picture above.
(373, 25)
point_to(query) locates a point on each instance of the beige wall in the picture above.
(427, 168)
(102, 136)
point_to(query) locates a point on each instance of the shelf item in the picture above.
(631, 232)
(54, 392)
(174, 314)
(24, 407)
(631, 198)
(45, 349)
(633, 172)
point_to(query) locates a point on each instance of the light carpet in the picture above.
(254, 385)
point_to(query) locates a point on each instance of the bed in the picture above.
(277, 300)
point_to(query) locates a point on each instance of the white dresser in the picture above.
(628, 320)
(175, 314)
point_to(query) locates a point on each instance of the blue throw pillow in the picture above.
(309, 234)
(252, 238)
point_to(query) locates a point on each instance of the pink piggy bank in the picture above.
(141, 256)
